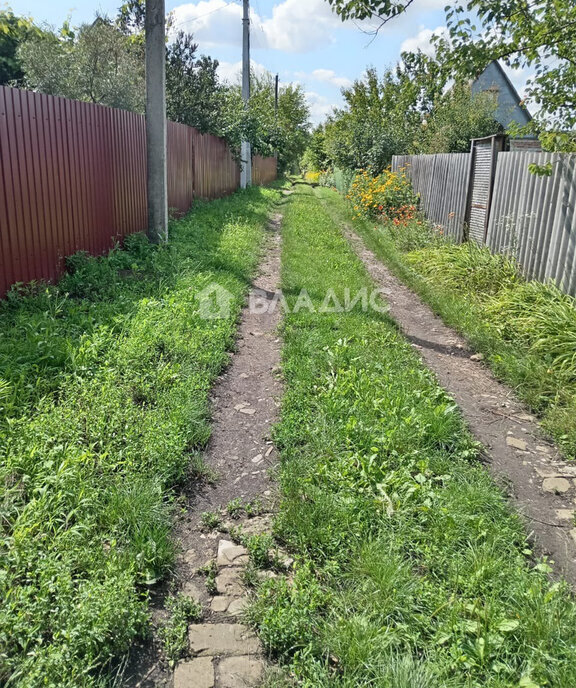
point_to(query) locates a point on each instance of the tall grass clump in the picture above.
(103, 401)
(411, 568)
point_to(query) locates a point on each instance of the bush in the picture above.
(388, 196)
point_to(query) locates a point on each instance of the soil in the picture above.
(245, 403)
(541, 485)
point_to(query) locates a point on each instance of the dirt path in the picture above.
(541, 485)
(223, 652)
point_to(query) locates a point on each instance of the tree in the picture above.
(193, 91)
(455, 118)
(97, 64)
(13, 31)
(382, 115)
(287, 135)
(535, 34)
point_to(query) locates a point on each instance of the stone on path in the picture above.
(516, 443)
(228, 582)
(222, 639)
(198, 673)
(240, 672)
(230, 553)
(557, 485)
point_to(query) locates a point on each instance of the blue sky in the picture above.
(301, 40)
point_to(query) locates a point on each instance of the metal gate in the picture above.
(483, 155)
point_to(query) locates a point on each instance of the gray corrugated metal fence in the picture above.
(441, 180)
(530, 217)
(534, 218)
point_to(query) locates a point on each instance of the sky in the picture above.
(301, 40)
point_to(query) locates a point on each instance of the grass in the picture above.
(182, 611)
(411, 568)
(525, 329)
(103, 411)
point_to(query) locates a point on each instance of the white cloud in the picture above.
(295, 25)
(329, 76)
(213, 22)
(423, 40)
(320, 107)
(300, 25)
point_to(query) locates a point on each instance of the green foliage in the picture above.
(413, 569)
(211, 520)
(193, 91)
(405, 111)
(535, 36)
(259, 548)
(105, 402)
(286, 134)
(183, 610)
(95, 63)
(13, 31)
(526, 329)
(457, 117)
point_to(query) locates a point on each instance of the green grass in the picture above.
(104, 409)
(525, 329)
(411, 568)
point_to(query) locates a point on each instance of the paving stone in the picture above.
(240, 672)
(565, 514)
(248, 411)
(516, 443)
(238, 605)
(230, 553)
(222, 639)
(546, 472)
(555, 485)
(198, 673)
(220, 603)
(228, 582)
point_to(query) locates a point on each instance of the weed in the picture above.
(254, 508)
(260, 548)
(211, 520)
(235, 507)
(174, 633)
(210, 571)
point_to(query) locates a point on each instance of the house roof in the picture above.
(506, 79)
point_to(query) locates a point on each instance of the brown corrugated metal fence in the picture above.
(263, 169)
(73, 178)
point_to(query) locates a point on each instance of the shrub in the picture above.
(388, 196)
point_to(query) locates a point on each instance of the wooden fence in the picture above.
(530, 217)
(73, 178)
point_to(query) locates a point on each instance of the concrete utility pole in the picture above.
(246, 152)
(276, 99)
(156, 121)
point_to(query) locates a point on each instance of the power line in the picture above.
(206, 14)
